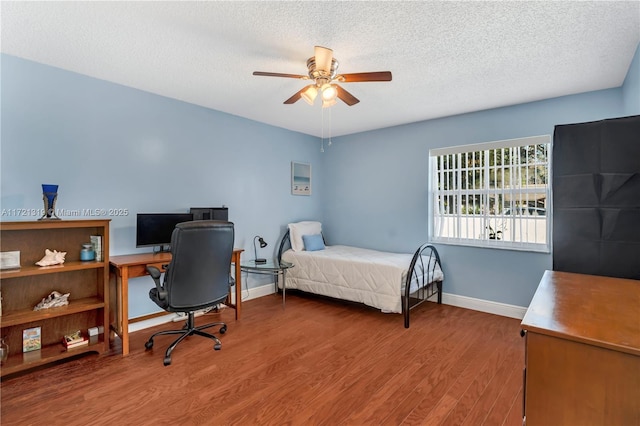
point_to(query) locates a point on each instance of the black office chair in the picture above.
(196, 278)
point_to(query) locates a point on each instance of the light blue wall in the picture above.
(631, 86)
(110, 146)
(378, 183)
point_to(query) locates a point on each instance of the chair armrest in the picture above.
(155, 274)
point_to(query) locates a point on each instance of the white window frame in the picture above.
(492, 202)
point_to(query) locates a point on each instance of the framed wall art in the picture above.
(300, 178)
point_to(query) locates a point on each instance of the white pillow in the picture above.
(297, 230)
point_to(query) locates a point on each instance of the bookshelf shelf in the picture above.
(87, 283)
(25, 316)
(50, 353)
(26, 271)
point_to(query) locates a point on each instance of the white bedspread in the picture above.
(371, 277)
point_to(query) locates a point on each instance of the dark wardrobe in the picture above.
(596, 197)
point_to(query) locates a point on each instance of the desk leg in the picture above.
(238, 285)
(124, 310)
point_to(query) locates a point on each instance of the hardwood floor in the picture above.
(318, 362)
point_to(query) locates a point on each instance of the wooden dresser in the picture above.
(582, 356)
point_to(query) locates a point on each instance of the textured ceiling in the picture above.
(447, 58)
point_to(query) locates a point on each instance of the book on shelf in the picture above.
(76, 336)
(96, 240)
(31, 339)
(74, 340)
(83, 342)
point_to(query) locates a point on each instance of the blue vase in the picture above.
(49, 196)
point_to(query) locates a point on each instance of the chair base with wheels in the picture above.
(189, 329)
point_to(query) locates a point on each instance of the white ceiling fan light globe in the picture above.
(309, 95)
(328, 103)
(329, 92)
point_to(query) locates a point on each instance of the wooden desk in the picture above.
(135, 265)
(582, 356)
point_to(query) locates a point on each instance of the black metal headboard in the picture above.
(283, 242)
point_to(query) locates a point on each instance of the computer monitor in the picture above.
(155, 229)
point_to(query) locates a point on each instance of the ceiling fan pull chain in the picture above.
(322, 130)
(329, 144)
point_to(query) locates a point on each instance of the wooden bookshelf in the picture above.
(22, 289)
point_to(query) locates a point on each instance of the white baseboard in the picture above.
(137, 326)
(497, 308)
(488, 306)
(252, 293)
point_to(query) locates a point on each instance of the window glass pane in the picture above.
(495, 196)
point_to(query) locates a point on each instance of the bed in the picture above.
(391, 282)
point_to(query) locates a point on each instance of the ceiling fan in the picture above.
(323, 69)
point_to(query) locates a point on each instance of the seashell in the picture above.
(52, 258)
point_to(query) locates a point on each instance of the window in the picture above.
(492, 194)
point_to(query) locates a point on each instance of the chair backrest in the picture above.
(198, 275)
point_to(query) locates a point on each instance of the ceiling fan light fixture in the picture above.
(309, 95)
(328, 103)
(322, 71)
(329, 92)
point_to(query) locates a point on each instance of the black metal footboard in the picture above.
(423, 267)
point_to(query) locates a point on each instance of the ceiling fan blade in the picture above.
(295, 98)
(365, 76)
(323, 57)
(346, 97)
(277, 74)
